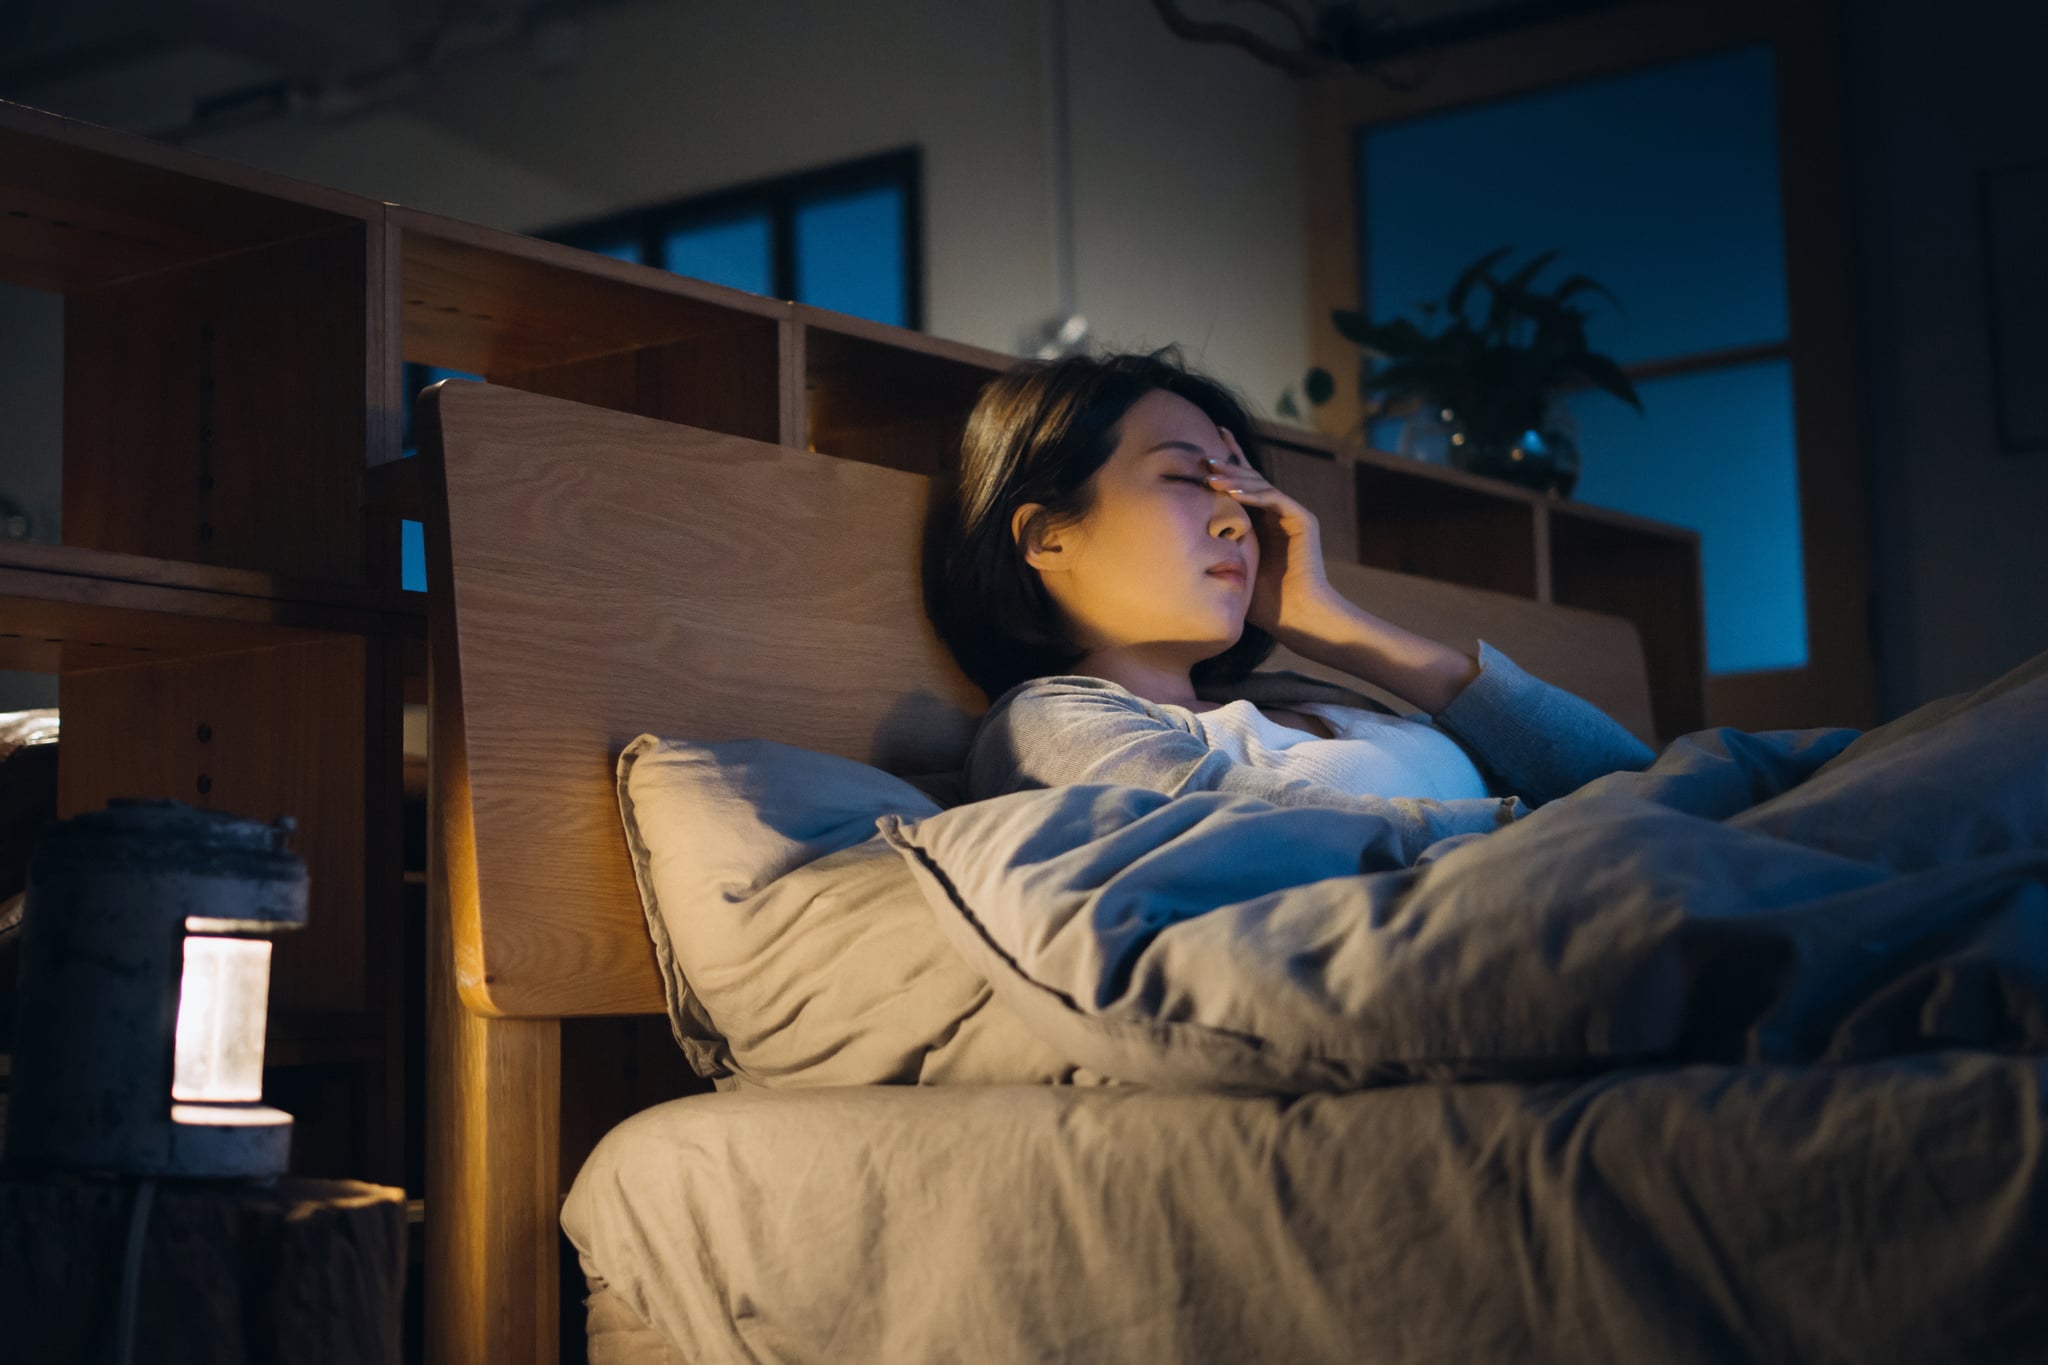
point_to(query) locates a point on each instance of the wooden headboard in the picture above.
(595, 575)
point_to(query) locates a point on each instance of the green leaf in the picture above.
(1455, 300)
(1285, 407)
(1519, 281)
(1579, 282)
(1392, 339)
(1351, 325)
(1498, 376)
(1607, 375)
(1320, 386)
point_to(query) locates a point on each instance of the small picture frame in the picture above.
(2013, 202)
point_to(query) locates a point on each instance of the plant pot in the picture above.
(1543, 455)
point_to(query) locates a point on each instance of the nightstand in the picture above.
(300, 1270)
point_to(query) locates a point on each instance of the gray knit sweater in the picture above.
(1532, 742)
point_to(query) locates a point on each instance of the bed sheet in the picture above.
(1887, 1212)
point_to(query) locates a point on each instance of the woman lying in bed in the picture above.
(1113, 566)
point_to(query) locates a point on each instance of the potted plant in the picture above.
(1492, 391)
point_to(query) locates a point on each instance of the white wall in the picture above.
(1187, 202)
(1938, 92)
(1187, 171)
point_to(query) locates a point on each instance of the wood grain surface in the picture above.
(610, 576)
(489, 302)
(225, 402)
(88, 206)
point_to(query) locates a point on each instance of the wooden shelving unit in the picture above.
(551, 319)
(884, 395)
(214, 615)
(1442, 523)
(225, 614)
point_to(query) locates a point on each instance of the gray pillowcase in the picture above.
(795, 947)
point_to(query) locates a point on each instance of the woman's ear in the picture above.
(1042, 548)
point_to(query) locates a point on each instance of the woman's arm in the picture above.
(1420, 671)
(1539, 740)
(1543, 741)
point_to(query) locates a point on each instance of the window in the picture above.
(412, 540)
(1662, 184)
(843, 237)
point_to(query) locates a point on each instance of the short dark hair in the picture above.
(1038, 433)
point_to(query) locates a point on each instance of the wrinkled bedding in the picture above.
(1891, 1212)
(1737, 1058)
(1777, 897)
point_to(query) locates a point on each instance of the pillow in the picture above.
(795, 947)
(1191, 940)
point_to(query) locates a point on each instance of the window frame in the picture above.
(1838, 684)
(779, 197)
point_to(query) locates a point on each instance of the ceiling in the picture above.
(174, 68)
(178, 68)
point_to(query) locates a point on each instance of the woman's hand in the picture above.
(1294, 602)
(1292, 599)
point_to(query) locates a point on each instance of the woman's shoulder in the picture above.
(1065, 687)
(1046, 731)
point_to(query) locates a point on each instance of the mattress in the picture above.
(1892, 1211)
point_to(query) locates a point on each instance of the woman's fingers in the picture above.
(1249, 486)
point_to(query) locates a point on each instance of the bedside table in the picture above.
(299, 1270)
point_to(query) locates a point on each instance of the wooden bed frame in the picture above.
(597, 575)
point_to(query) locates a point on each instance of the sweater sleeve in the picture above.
(1540, 740)
(1076, 730)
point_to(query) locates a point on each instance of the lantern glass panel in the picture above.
(221, 1011)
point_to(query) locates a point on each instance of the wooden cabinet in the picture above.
(220, 630)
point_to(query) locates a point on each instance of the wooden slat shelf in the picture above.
(901, 339)
(1623, 521)
(82, 562)
(1437, 529)
(68, 609)
(491, 302)
(82, 206)
(552, 319)
(884, 395)
(1329, 447)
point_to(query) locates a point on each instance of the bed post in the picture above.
(493, 1100)
(492, 1184)
(493, 1135)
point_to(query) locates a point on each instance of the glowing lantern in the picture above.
(145, 982)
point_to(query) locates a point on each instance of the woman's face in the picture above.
(1141, 572)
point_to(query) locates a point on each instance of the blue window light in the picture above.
(1670, 198)
(849, 255)
(736, 253)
